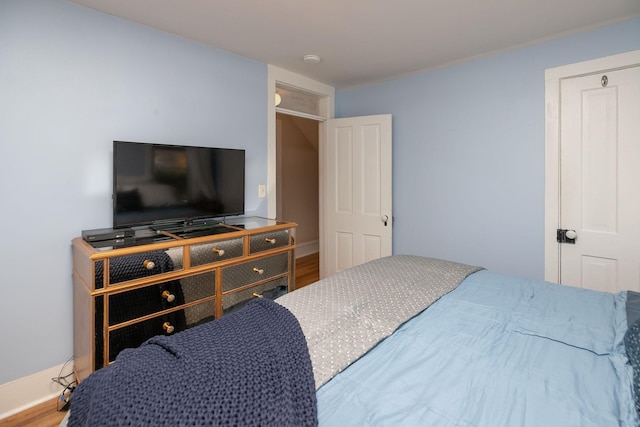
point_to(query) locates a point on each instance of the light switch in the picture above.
(262, 190)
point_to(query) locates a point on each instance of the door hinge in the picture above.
(566, 236)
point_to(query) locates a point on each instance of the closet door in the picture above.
(599, 151)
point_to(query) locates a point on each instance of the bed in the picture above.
(403, 340)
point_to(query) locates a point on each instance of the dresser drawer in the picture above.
(272, 290)
(207, 253)
(246, 273)
(266, 241)
(168, 324)
(131, 267)
(130, 305)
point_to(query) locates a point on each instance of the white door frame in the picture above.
(277, 75)
(553, 76)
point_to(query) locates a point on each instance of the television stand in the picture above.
(124, 296)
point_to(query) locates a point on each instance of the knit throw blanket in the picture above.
(249, 368)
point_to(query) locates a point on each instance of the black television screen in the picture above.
(156, 183)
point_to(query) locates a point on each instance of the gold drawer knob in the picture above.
(219, 252)
(148, 264)
(168, 327)
(258, 270)
(272, 241)
(168, 296)
(257, 295)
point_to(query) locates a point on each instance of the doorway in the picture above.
(323, 109)
(297, 179)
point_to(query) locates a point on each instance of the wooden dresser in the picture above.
(161, 283)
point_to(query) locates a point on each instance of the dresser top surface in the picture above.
(161, 239)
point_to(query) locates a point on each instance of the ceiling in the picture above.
(366, 41)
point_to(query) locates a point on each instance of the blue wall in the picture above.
(468, 147)
(71, 81)
(468, 151)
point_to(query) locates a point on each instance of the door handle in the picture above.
(385, 219)
(566, 236)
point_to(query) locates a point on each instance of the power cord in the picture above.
(68, 387)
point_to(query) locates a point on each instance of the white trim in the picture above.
(300, 114)
(551, 180)
(277, 75)
(608, 63)
(31, 390)
(307, 248)
(553, 76)
(322, 165)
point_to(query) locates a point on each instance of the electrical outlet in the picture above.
(262, 191)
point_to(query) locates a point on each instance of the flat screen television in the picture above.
(171, 184)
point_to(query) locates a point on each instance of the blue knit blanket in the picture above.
(249, 368)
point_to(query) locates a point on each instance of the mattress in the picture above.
(496, 351)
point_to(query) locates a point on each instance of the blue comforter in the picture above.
(497, 351)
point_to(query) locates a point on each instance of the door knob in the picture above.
(566, 236)
(385, 219)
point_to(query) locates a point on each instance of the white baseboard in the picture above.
(31, 390)
(307, 248)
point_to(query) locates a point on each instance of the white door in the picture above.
(600, 180)
(357, 186)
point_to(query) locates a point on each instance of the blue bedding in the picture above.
(496, 351)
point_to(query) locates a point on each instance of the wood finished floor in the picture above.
(43, 415)
(46, 414)
(307, 270)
